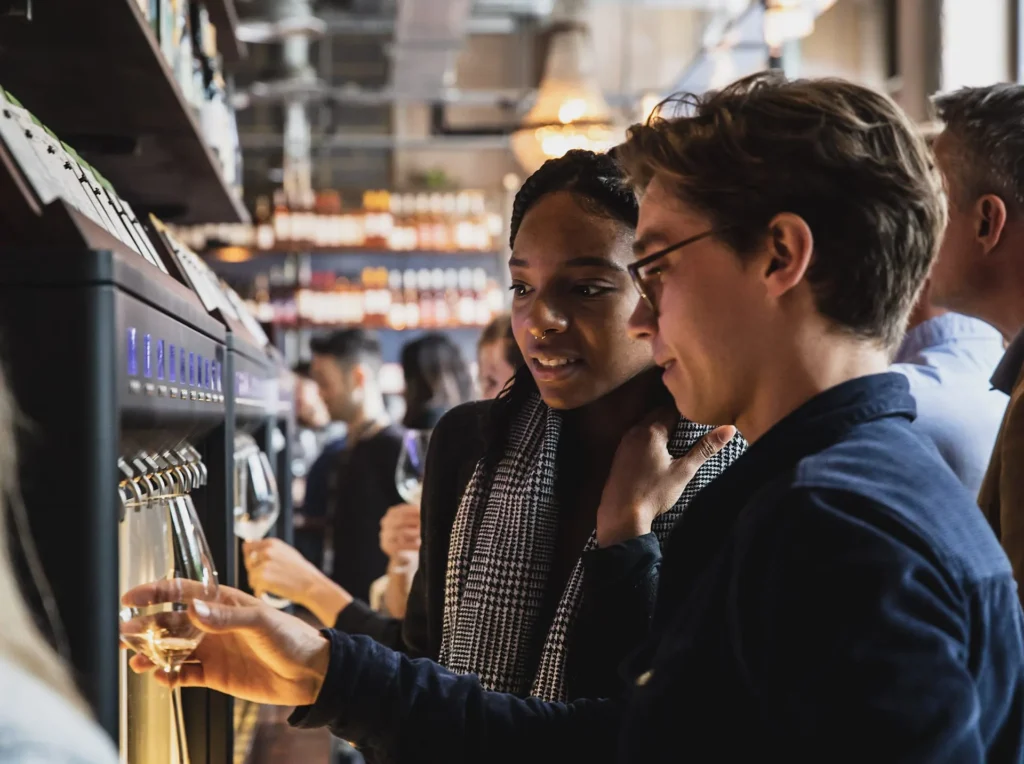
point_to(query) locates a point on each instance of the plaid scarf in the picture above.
(500, 557)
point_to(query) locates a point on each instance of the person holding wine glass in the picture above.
(43, 717)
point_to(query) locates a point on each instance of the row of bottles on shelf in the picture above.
(431, 222)
(188, 41)
(425, 298)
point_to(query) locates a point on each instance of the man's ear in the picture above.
(989, 215)
(789, 252)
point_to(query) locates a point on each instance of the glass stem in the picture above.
(179, 715)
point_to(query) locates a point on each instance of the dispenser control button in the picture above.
(160, 359)
(150, 388)
(135, 386)
(174, 392)
(161, 390)
(133, 358)
(147, 356)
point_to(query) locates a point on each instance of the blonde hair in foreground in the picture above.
(21, 642)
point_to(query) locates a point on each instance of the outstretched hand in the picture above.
(645, 480)
(249, 650)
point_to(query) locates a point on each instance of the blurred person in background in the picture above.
(361, 481)
(319, 440)
(497, 355)
(43, 719)
(980, 270)
(948, 359)
(436, 379)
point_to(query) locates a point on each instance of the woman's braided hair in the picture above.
(600, 186)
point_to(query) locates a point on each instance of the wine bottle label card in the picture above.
(13, 132)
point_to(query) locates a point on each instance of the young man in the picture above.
(835, 595)
(361, 481)
(980, 270)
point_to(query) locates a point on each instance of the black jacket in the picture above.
(618, 589)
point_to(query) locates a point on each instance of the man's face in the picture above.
(711, 323)
(954, 275)
(338, 387)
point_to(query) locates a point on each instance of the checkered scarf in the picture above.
(500, 556)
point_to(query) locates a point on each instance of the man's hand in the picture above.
(249, 650)
(400, 531)
(276, 568)
(645, 481)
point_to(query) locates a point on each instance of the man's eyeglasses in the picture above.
(646, 281)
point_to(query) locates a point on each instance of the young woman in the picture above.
(43, 719)
(511, 585)
(497, 356)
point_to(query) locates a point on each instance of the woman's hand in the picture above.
(274, 567)
(644, 480)
(249, 650)
(400, 530)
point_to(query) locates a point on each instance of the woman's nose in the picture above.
(545, 318)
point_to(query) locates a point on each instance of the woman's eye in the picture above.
(519, 290)
(591, 290)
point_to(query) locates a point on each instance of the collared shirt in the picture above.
(948, 361)
(834, 596)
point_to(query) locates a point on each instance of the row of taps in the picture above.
(169, 473)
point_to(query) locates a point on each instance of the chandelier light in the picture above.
(570, 111)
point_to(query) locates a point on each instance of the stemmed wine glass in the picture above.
(411, 464)
(257, 501)
(168, 565)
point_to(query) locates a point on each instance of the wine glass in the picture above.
(167, 565)
(411, 464)
(257, 501)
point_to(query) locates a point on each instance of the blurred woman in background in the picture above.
(497, 355)
(43, 719)
(436, 379)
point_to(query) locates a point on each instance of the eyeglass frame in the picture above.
(643, 262)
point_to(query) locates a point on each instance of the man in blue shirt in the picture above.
(835, 596)
(948, 359)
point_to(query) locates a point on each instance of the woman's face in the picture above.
(495, 370)
(572, 298)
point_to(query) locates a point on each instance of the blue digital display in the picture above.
(199, 371)
(133, 358)
(172, 367)
(181, 377)
(192, 369)
(160, 359)
(206, 376)
(147, 356)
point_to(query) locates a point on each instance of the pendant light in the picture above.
(786, 20)
(570, 111)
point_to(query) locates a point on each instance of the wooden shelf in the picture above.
(335, 327)
(241, 254)
(94, 74)
(224, 16)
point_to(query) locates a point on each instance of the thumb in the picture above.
(215, 618)
(713, 442)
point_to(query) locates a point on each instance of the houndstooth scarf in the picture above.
(500, 555)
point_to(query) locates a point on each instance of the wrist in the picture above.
(635, 524)
(329, 601)
(316, 660)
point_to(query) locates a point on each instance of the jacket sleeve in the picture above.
(620, 585)
(416, 712)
